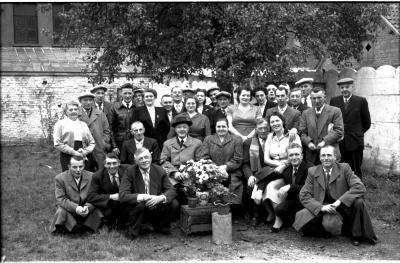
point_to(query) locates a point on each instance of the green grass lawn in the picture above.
(28, 204)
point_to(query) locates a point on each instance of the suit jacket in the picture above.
(229, 152)
(172, 155)
(269, 105)
(214, 116)
(300, 178)
(101, 187)
(129, 148)
(315, 130)
(344, 185)
(68, 195)
(98, 126)
(133, 184)
(302, 107)
(356, 119)
(118, 122)
(161, 127)
(106, 108)
(292, 117)
(253, 157)
(174, 112)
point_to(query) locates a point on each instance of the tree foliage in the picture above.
(236, 40)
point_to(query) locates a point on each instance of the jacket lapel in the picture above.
(72, 182)
(322, 119)
(84, 180)
(319, 174)
(139, 181)
(334, 174)
(93, 116)
(147, 116)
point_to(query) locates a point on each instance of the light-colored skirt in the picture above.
(270, 192)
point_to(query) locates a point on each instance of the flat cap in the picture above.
(345, 81)
(211, 89)
(304, 80)
(285, 86)
(186, 89)
(85, 94)
(223, 94)
(97, 88)
(138, 89)
(181, 118)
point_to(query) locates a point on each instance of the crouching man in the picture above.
(148, 191)
(104, 192)
(332, 197)
(74, 213)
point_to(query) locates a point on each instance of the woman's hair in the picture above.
(205, 94)
(241, 89)
(191, 97)
(151, 91)
(224, 120)
(280, 116)
(70, 103)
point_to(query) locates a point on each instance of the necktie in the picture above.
(223, 112)
(327, 177)
(263, 144)
(178, 107)
(181, 143)
(294, 175)
(346, 103)
(115, 181)
(146, 182)
(100, 106)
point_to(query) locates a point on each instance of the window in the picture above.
(25, 24)
(58, 21)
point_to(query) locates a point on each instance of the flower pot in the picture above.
(192, 201)
(203, 197)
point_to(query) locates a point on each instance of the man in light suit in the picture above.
(332, 190)
(154, 119)
(74, 213)
(99, 102)
(320, 125)
(177, 97)
(356, 120)
(292, 116)
(99, 128)
(306, 85)
(148, 190)
(139, 140)
(104, 192)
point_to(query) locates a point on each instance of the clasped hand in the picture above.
(82, 210)
(151, 201)
(283, 191)
(331, 208)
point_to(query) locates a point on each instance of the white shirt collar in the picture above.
(319, 112)
(344, 99)
(126, 105)
(282, 109)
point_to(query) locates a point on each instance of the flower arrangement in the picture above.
(204, 176)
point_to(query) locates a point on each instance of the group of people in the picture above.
(292, 158)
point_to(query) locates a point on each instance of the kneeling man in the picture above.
(332, 190)
(147, 189)
(104, 192)
(74, 213)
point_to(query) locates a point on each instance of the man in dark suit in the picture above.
(320, 125)
(294, 177)
(306, 86)
(292, 116)
(154, 119)
(166, 102)
(177, 97)
(260, 93)
(357, 121)
(99, 102)
(118, 118)
(74, 212)
(148, 190)
(295, 100)
(212, 93)
(223, 99)
(333, 199)
(130, 146)
(104, 192)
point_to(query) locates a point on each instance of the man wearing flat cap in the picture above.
(306, 85)
(99, 101)
(223, 99)
(99, 128)
(187, 92)
(357, 121)
(211, 93)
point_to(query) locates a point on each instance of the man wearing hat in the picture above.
(333, 199)
(138, 97)
(178, 150)
(306, 85)
(99, 101)
(187, 92)
(223, 100)
(211, 93)
(117, 118)
(99, 128)
(357, 121)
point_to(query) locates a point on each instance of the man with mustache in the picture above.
(357, 121)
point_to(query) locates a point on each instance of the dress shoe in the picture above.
(356, 241)
(275, 230)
